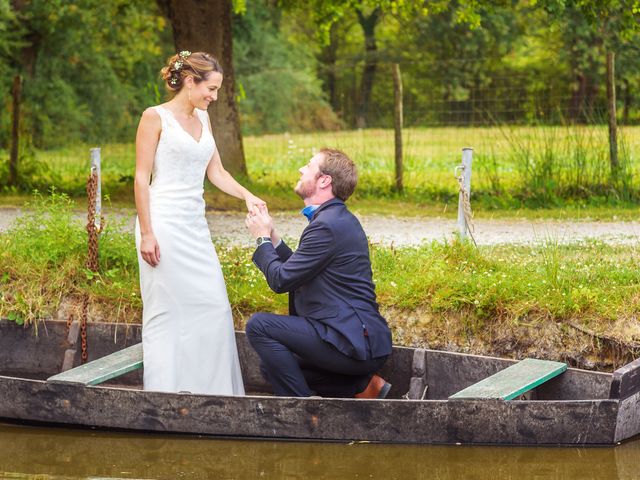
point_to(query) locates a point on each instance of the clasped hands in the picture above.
(259, 222)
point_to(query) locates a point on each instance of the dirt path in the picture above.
(229, 227)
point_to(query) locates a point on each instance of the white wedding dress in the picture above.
(187, 329)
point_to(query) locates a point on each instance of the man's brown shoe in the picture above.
(377, 388)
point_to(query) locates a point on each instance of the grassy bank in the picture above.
(577, 302)
(514, 168)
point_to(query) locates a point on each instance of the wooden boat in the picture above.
(576, 407)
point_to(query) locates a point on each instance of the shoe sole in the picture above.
(384, 391)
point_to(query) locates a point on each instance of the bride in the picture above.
(187, 328)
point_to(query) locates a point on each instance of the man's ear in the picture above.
(325, 181)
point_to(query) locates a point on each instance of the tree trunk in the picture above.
(577, 106)
(29, 53)
(368, 25)
(397, 91)
(328, 57)
(611, 109)
(15, 131)
(205, 25)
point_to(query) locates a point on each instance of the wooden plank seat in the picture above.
(103, 369)
(513, 381)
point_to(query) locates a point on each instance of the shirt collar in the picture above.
(309, 210)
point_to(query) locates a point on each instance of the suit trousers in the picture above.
(297, 362)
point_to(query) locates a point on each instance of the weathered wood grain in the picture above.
(626, 381)
(103, 369)
(454, 421)
(418, 383)
(513, 381)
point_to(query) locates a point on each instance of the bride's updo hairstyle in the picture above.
(184, 64)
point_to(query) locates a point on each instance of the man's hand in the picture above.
(259, 222)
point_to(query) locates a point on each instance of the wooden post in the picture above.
(467, 157)
(397, 91)
(15, 131)
(95, 168)
(611, 109)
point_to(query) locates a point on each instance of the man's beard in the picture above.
(306, 189)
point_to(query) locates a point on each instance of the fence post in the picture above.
(397, 90)
(15, 131)
(464, 180)
(95, 168)
(613, 123)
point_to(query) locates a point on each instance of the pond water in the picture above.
(54, 453)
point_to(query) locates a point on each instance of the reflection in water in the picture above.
(46, 454)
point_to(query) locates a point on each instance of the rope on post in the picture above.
(466, 208)
(465, 214)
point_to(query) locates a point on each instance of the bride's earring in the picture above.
(189, 92)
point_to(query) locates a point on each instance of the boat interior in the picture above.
(42, 350)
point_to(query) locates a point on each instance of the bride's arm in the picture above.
(225, 182)
(146, 143)
(222, 179)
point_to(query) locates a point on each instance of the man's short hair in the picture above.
(341, 169)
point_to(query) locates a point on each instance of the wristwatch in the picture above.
(261, 240)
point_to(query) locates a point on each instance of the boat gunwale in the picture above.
(307, 399)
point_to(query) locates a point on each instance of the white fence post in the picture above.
(95, 168)
(464, 179)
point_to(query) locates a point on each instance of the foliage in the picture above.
(279, 90)
(82, 76)
(42, 262)
(87, 82)
(621, 17)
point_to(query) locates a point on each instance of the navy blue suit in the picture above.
(334, 338)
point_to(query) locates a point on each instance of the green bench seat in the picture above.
(513, 381)
(103, 369)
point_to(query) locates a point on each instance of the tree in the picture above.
(205, 25)
(368, 22)
(328, 57)
(82, 81)
(276, 75)
(458, 65)
(614, 21)
(369, 14)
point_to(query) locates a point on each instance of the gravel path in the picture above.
(229, 227)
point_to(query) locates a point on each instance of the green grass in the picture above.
(534, 171)
(509, 300)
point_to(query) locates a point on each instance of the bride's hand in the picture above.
(254, 202)
(150, 250)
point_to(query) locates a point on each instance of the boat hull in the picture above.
(577, 408)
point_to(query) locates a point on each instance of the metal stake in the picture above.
(463, 173)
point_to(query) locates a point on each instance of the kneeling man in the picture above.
(334, 338)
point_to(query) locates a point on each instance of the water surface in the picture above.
(52, 453)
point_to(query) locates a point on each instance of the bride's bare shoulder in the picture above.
(151, 116)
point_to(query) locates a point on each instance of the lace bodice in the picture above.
(179, 166)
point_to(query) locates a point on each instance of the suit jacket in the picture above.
(330, 278)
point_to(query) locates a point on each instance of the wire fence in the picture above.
(532, 135)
